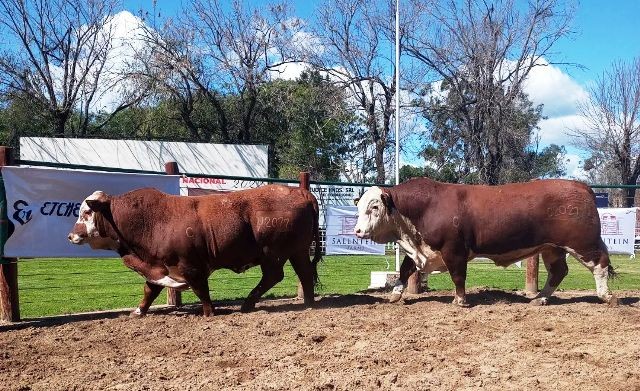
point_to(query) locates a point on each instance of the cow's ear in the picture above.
(100, 205)
(387, 201)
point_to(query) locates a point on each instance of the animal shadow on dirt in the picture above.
(276, 305)
(484, 297)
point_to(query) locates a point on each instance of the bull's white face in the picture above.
(85, 229)
(373, 217)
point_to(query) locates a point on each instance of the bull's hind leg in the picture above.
(199, 283)
(556, 264)
(151, 292)
(303, 268)
(272, 273)
(598, 262)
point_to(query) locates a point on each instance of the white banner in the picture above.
(340, 236)
(43, 204)
(618, 227)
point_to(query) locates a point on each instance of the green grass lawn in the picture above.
(61, 286)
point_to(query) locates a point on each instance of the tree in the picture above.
(611, 132)
(60, 57)
(306, 123)
(354, 48)
(482, 53)
(221, 54)
(408, 171)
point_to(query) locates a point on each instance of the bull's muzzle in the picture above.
(360, 233)
(78, 234)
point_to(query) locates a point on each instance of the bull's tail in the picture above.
(612, 273)
(317, 257)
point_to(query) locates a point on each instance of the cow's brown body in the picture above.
(182, 240)
(456, 223)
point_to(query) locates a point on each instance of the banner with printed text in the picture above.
(43, 205)
(617, 227)
(340, 237)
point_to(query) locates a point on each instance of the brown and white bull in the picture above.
(177, 242)
(443, 226)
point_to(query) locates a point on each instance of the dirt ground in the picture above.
(352, 342)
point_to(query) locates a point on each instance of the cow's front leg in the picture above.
(272, 273)
(151, 292)
(407, 268)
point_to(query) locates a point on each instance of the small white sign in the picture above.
(340, 237)
(618, 227)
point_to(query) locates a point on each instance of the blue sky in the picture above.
(605, 31)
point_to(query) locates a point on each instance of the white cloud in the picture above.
(556, 130)
(573, 166)
(557, 91)
(289, 71)
(125, 29)
(560, 94)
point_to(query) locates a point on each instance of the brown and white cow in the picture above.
(177, 241)
(443, 226)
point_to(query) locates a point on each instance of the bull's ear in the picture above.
(387, 201)
(99, 205)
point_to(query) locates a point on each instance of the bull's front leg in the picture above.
(407, 268)
(151, 292)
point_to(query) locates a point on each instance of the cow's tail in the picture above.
(317, 257)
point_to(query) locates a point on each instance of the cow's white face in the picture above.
(85, 229)
(374, 220)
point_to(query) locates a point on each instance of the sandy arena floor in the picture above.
(353, 342)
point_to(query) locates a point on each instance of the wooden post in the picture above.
(414, 283)
(9, 303)
(174, 297)
(533, 264)
(304, 179)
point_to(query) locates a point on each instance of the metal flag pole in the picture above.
(397, 130)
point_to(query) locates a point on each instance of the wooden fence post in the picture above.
(414, 283)
(174, 297)
(9, 303)
(304, 179)
(533, 264)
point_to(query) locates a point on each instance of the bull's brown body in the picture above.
(456, 223)
(184, 239)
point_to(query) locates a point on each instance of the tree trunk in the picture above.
(60, 122)
(379, 158)
(630, 196)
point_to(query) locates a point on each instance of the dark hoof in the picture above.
(395, 297)
(247, 307)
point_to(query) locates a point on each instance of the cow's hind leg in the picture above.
(407, 268)
(303, 268)
(151, 292)
(556, 264)
(272, 273)
(598, 262)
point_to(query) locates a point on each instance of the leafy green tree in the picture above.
(458, 153)
(306, 124)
